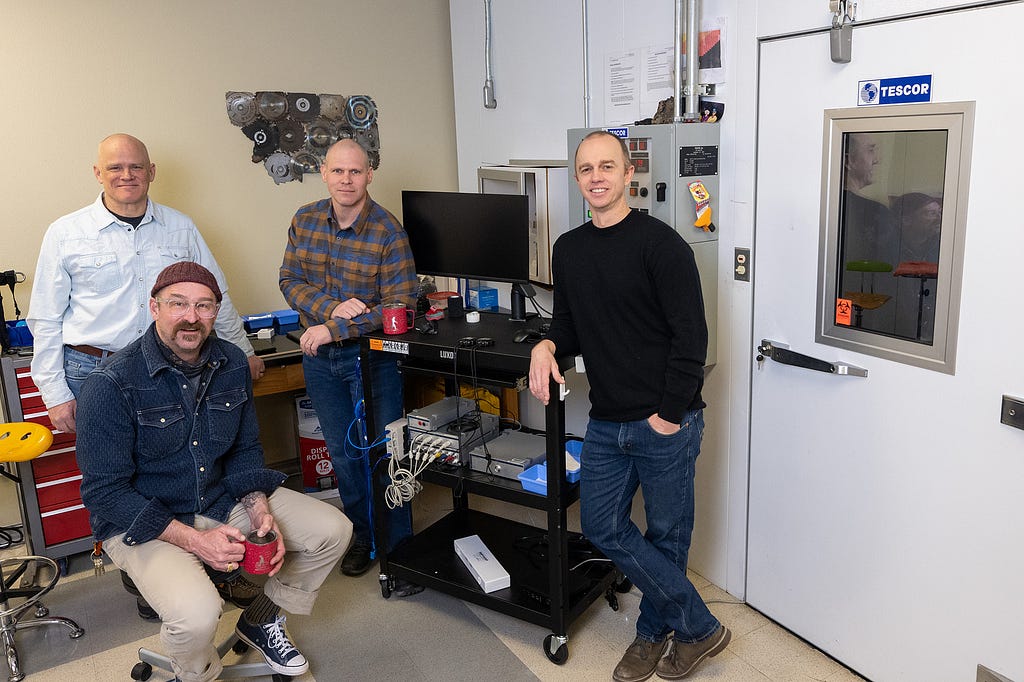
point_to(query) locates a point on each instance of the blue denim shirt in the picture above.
(152, 449)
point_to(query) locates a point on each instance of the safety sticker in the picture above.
(702, 199)
(389, 346)
(844, 307)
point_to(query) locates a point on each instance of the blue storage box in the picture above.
(483, 298)
(286, 316)
(258, 321)
(18, 332)
(535, 479)
(285, 320)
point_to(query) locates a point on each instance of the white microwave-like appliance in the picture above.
(546, 186)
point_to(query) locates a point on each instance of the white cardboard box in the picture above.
(489, 573)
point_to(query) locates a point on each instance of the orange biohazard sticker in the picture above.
(844, 307)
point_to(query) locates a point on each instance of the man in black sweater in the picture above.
(627, 298)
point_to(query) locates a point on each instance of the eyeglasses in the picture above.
(179, 307)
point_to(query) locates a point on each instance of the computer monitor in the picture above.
(471, 236)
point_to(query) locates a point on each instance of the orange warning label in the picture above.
(390, 346)
(844, 307)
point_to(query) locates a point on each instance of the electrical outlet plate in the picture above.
(741, 265)
(986, 675)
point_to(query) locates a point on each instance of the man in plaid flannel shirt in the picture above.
(346, 258)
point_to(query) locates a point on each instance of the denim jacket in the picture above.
(152, 449)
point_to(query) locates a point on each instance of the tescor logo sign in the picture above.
(904, 90)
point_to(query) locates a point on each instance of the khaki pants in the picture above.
(174, 582)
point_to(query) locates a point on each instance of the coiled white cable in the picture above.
(423, 450)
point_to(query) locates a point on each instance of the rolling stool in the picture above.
(148, 659)
(20, 442)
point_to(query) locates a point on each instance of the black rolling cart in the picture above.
(552, 582)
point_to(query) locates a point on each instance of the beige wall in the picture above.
(74, 72)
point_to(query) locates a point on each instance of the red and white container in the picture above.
(317, 470)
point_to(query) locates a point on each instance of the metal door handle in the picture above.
(779, 352)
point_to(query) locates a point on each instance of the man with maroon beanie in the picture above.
(173, 478)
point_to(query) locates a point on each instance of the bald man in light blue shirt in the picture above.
(97, 264)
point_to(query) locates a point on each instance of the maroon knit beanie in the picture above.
(186, 271)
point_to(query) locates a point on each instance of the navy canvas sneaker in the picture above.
(272, 641)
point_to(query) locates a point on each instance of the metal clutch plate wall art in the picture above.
(291, 131)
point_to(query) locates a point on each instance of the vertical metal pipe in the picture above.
(677, 71)
(488, 83)
(586, 67)
(692, 63)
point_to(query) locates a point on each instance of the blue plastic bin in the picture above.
(574, 448)
(19, 333)
(535, 479)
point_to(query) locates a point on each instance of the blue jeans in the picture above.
(618, 458)
(77, 366)
(335, 385)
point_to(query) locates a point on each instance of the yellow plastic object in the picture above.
(22, 441)
(868, 266)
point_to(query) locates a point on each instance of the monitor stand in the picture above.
(519, 294)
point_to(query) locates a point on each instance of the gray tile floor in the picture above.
(760, 649)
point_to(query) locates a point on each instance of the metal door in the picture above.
(885, 522)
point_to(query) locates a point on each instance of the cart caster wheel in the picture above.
(239, 647)
(142, 671)
(558, 656)
(613, 601)
(385, 588)
(624, 585)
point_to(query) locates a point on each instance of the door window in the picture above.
(894, 197)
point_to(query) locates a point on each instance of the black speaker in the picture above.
(456, 309)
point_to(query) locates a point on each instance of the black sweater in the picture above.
(628, 298)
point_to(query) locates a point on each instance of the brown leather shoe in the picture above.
(639, 661)
(239, 590)
(683, 658)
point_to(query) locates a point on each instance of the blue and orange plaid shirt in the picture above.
(326, 264)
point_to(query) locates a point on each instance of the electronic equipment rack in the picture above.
(543, 591)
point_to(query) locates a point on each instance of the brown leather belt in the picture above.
(92, 350)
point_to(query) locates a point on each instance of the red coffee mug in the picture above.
(258, 552)
(397, 318)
